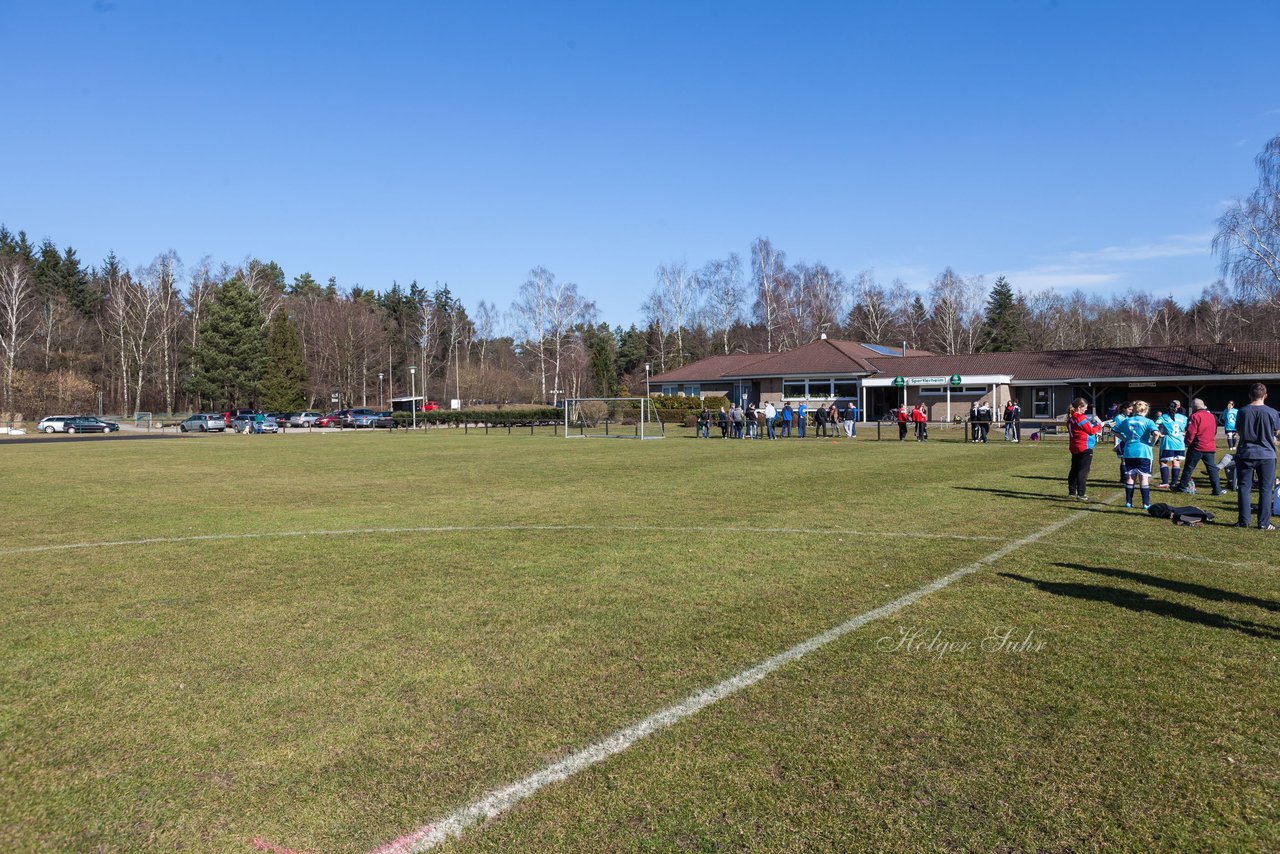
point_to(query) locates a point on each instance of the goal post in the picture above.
(612, 418)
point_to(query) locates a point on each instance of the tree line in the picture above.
(163, 337)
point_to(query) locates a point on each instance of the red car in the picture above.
(430, 406)
(333, 419)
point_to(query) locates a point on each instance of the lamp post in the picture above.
(413, 393)
(380, 403)
(647, 393)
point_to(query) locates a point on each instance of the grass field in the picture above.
(295, 680)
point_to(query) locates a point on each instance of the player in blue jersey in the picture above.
(1122, 412)
(1139, 435)
(1173, 446)
(1229, 416)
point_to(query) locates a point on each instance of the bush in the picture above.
(492, 417)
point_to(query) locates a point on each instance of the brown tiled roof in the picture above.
(1244, 359)
(824, 356)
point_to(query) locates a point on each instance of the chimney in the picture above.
(904, 346)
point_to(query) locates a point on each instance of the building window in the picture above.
(693, 390)
(941, 390)
(819, 389)
(845, 388)
(669, 391)
(794, 389)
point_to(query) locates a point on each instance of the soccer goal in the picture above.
(611, 417)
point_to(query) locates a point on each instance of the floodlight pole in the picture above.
(380, 403)
(647, 392)
(413, 393)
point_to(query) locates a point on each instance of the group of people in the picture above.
(768, 421)
(981, 418)
(1184, 442)
(917, 416)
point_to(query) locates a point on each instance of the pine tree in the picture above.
(1004, 329)
(227, 364)
(285, 379)
(602, 349)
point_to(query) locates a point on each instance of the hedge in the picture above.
(493, 417)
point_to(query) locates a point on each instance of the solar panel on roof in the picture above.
(883, 350)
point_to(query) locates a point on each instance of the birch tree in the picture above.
(17, 310)
(768, 270)
(722, 295)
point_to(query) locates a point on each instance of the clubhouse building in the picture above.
(1043, 383)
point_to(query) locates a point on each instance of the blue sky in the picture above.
(1062, 144)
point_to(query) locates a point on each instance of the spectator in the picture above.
(752, 426)
(787, 415)
(1173, 448)
(704, 423)
(833, 418)
(1257, 425)
(1229, 416)
(1201, 442)
(1008, 421)
(903, 417)
(851, 420)
(1139, 434)
(802, 417)
(1083, 430)
(921, 419)
(1017, 422)
(736, 415)
(981, 422)
(820, 421)
(770, 415)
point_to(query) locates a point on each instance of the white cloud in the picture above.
(1173, 246)
(1057, 278)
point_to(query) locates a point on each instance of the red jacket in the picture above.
(1202, 431)
(918, 416)
(1081, 427)
(902, 414)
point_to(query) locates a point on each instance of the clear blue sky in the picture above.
(1059, 143)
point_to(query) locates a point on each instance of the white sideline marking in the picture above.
(444, 529)
(500, 800)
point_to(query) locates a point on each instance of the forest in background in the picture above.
(168, 337)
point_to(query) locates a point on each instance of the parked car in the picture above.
(253, 425)
(57, 424)
(333, 419)
(281, 418)
(233, 414)
(360, 418)
(384, 420)
(210, 422)
(112, 427)
(430, 406)
(305, 419)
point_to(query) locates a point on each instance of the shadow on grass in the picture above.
(1144, 604)
(1211, 593)
(1093, 481)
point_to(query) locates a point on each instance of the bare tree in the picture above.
(872, 318)
(1214, 315)
(955, 312)
(722, 295)
(566, 309)
(531, 310)
(486, 325)
(1248, 238)
(17, 308)
(679, 295)
(658, 315)
(768, 269)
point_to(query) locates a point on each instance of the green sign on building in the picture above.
(955, 380)
(899, 382)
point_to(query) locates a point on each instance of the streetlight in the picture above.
(413, 393)
(647, 393)
(380, 403)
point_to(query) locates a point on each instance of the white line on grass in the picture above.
(500, 800)
(446, 529)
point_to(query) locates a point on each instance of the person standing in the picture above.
(820, 421)
(750, 419)
(1257, 425)
(770, 417)
(1083, 430)
(802, 418)
(1173, 448)
(921, 420)
(724, 424)
(1008, 421)
(902, 422)
(1017, 423)
(787, 414)
(736, 415)
(1123, 411)
(1139, 434)
(833, 418)
(1229, 416)
(851, 420)
(1202, 444)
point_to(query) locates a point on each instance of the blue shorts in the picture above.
(1172, 455)
(1137, 465)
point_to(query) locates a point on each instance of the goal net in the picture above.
(611, 417)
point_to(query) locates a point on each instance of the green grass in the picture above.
(331, 692)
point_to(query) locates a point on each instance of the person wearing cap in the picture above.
(1202, 444)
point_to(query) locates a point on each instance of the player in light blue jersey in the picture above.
(1229, 425)
(1125, 411)
(1138, 435)
(1173, 446)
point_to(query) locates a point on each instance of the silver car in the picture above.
(250, 424)
(204, 423)
(304, 419)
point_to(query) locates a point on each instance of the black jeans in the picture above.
(1265, 472)
(1078, 477)
(1193, 459)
